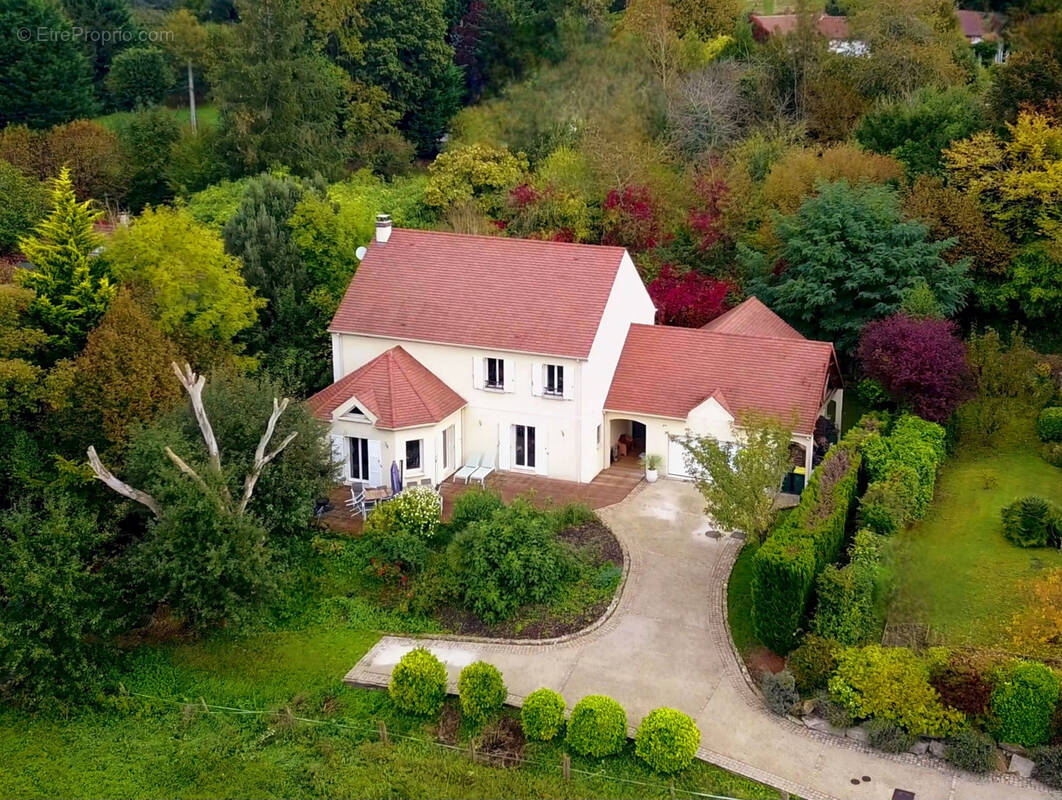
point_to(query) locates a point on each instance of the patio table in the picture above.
(377, 494)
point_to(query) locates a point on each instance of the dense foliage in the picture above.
(482, 691)
(542, 714)
(667, 740)
(418, 683)
(597, 727)
(1023, 703)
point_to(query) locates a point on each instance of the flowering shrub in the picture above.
(415, 511)
(688, 299)
(482, 691)
(542, 715)
(667, 740)
(418, 683)
(598, 726)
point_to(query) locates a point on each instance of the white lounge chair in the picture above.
(356, 503)
(466, 471)
(486, 469)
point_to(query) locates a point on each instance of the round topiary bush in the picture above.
(418, 683)
(667, 740)
(598, 726)
(1031, 522)
(1023, 703)
(542, 715)
(482, 691)
(971, 750)
(1049, 425)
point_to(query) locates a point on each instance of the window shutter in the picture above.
(569, 382)
(541, 451)
(510, 375)
(477, 372)
(341, 454)
(504, 446)
(375, 465)
(536, 379)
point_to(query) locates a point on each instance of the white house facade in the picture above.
(526, 356)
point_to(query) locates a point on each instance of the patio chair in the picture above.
(466, 471)
(485, 469)
(356, 503)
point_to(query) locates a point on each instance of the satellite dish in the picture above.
(360, 252)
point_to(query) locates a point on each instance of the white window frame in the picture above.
(361, 444)
(558, 380)
(499, 374)
(418, 470)
(530, 452)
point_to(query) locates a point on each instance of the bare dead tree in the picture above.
(193, 384)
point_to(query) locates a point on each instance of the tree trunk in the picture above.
(191, 99)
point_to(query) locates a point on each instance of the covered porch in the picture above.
(609, 487)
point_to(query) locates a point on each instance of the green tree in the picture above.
(327, 235)
(23, 201)
(139, 76)
(145, 141)
(71, 283)
(1033, 283)
(44, 82)
(122, 378)
(52, 615)
(101, 15)
(739, 482)
(92, 153)
(405, 53)
(190, 46)
(847, 257)
(705, 18)
(916, 130)
(282, 103)
(20, 377)
(195, 288)
(1026, 78)
(291, 334)
(476, 173)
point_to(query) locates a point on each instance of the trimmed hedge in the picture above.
(482, 691)
(912, 442)
(785, 567)
(667, 740)
(418, 683)
(598, 726)
(847, 609)
(1023, 702)
(1049, 425)
(542, 715)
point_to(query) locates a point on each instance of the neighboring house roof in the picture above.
(395, 388)
(752, 318)
(490, 292)
(666, 371)
(978, 25)
(832, 27)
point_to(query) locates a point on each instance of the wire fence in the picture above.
(383, 735)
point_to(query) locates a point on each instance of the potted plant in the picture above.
(652, 466)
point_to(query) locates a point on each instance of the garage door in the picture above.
(676, 458)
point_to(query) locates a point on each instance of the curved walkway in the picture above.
(666, 644)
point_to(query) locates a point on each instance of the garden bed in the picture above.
(580, 604)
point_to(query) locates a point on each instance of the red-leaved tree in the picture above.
(920, 362)
(687, 299)
(706, 217)
(631, 219)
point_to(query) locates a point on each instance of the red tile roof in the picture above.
(667, 372)
(976, 24)
(752, 318)
(482, 291)
(395, 388)
(832, 27)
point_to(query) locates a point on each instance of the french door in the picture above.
(359, 459)
(524, 446)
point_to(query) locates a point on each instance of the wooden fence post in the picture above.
(566, 766)
(383, 733)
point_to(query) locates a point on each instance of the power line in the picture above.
(211, 708)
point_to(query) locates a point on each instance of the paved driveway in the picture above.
(666, 644)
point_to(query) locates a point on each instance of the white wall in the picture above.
(628, 303)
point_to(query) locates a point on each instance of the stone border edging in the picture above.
(734, 666)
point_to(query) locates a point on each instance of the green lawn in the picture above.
(207, 116)
(954, 569)
(153, 738)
